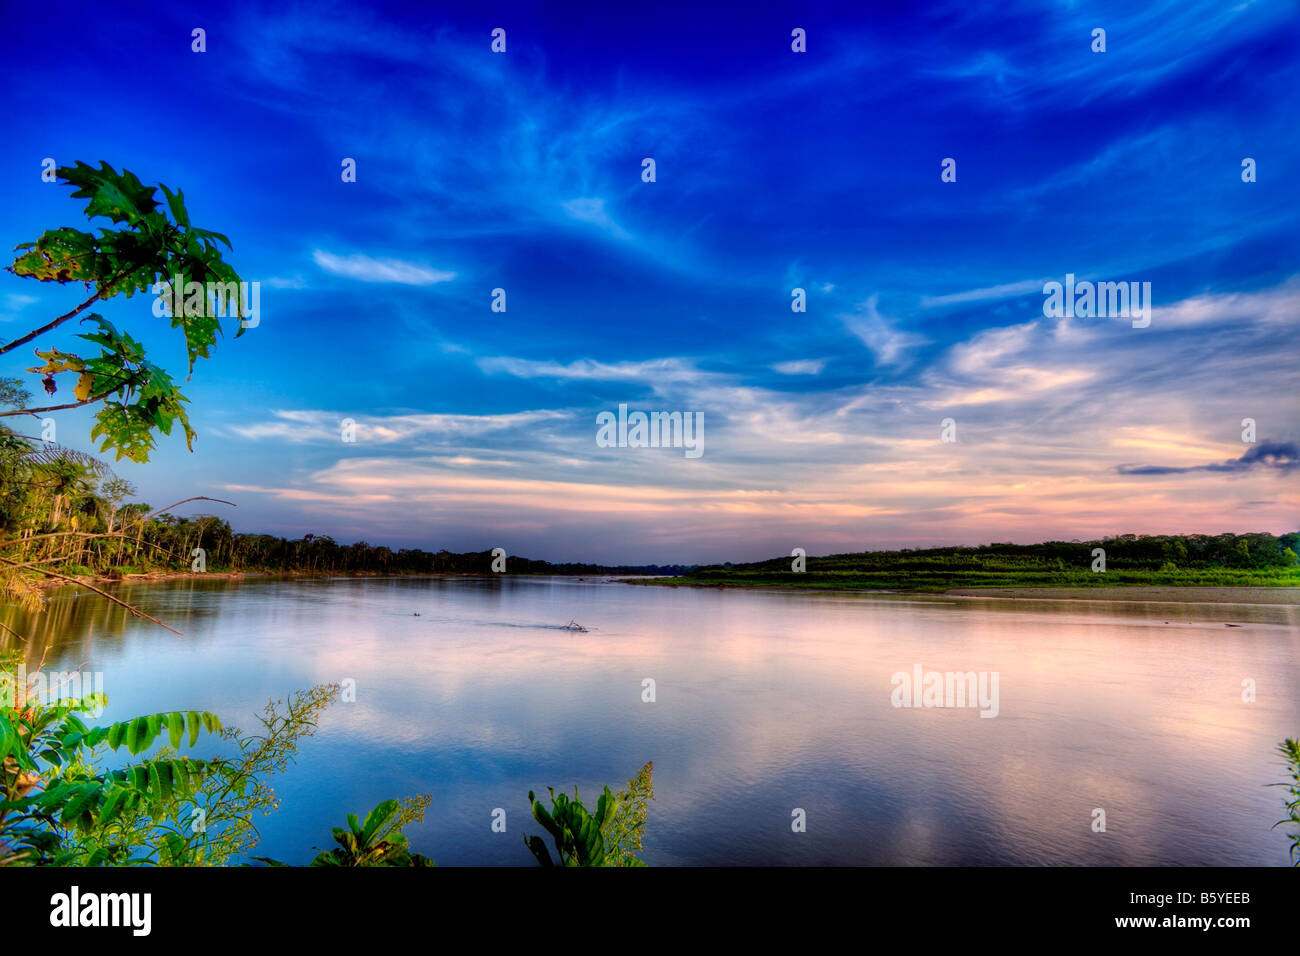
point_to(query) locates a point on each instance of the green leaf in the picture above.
(80, 801)
(176, 203)
(377, 818)
(119, 197)
(160, 775)
(113, 805)
(180, 778)
(133, 730)
(155, 782)
(177, 849)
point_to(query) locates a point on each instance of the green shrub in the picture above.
(1290, 751)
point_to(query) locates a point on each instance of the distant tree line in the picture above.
(1257, 558)
(1125, 551)
(63, 509)
(227, 550)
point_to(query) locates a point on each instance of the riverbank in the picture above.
(1136, 593)
(44, 583)
(155, 577)
(1141, 593)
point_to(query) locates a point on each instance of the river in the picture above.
(770, 710)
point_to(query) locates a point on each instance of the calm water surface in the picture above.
(765, 702)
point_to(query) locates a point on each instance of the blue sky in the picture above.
(775, 170)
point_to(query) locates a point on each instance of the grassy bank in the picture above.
(1129, 561)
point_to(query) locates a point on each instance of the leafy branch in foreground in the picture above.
(145, 397)
(57, 809)
(626, 826)
(139, 398)
(1290, 750)
(216, 822)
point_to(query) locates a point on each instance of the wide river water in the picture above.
(765, 703)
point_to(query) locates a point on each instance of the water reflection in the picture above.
(765, 702)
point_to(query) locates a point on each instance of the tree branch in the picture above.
(59, 408)
(10, 346)
(121, 384)
(184, 500)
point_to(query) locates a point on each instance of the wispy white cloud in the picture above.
(285, 282)
(1273, 307)
(887, 342)
(12, 303)
(366, 269)
(593, 212)
(655, 371)
(800, 367)
(986, 349)
(1006, 291)
(1158, 41)
(310, 425)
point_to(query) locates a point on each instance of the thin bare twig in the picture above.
(184, 500)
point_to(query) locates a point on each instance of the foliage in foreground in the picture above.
(610, 836)
(378, 841)
(1290, 751)
(59, 809)
(138, 398)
